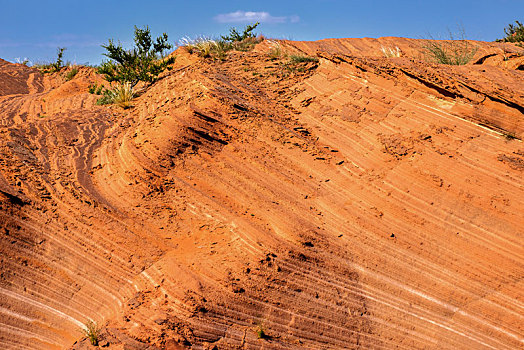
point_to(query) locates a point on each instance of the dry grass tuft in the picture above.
(122, 95)
(207, 47)
(389, 52)
(275, 52)
(295, 59)
(453, 51)
(92, 332)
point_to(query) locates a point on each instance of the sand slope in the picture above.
(358, 202)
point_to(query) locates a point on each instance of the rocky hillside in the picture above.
(356, 201)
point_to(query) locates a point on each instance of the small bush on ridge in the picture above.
(221, 48)
(514, 33)
(59, 63)
(144, 62)
(235, 36)
(53, 66)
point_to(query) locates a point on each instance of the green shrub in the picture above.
(235, 36)
(245, 41)
(92, 332)
(514, 33)
(144, 62)
(59, 63)
(106, 99)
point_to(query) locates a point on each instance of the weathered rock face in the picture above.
(354, 202)
(19, 79)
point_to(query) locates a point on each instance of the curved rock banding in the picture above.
(357, 202)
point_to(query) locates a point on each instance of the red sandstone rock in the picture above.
(357, 202)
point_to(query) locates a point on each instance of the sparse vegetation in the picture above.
(200, 45)
(276, 50)
(453, 51)
(92, 332)
(53, 66)
(389, 52)
(207, 47)
(261, 334)
(514, 33)
(450, 52)
(235, 37)
(95, 89)
(144, 62)
(59, 63)
(302, 58)
(25, 61)
(217, 48)
(121, 95)
(71, 74)
(247, 44)
(297, 63)
(221, 48)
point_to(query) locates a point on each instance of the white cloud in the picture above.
(250, 16)
(294, 19)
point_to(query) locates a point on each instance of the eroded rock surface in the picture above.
(359, 202)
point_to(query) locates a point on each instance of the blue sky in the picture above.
(34, 29)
